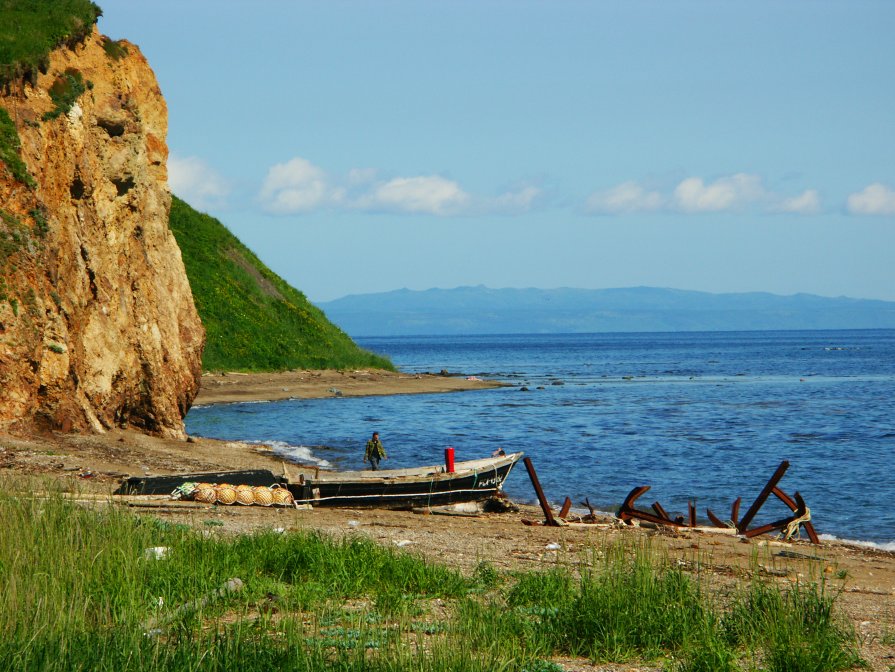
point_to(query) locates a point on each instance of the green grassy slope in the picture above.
(255, 321)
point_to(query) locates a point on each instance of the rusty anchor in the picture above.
(789, 526)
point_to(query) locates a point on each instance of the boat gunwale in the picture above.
(428, 472)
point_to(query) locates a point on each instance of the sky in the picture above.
(369, 146)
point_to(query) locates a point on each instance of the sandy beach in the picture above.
(231, 387)
(91, 466)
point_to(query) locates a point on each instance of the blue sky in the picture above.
(367, 146)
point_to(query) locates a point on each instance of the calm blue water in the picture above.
(704, 416)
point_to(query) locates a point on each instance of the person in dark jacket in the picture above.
(374, 452)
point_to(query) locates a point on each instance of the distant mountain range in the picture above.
(481, 310)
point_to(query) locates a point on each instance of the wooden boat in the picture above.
(471, 480)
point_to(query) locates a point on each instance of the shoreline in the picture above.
(94, 464)
(234, 387)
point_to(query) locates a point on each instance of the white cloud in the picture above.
(196, 182)
(876, 199)
(297, 186)
(625, 197)
(806, 203)
(740, 191)
(520, 200)
(725, 193)
(429, 194)
(362, 175)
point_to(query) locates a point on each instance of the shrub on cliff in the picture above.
(64, 92)
(31, 29)
(254, 320)
(9, 150)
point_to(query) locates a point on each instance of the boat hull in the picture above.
(474, 480)
(437, 489)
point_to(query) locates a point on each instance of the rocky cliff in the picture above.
(97, 323)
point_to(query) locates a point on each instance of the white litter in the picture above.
(553, 547)
(155, 552)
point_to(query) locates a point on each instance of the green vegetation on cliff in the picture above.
(31, 29)
(9, 150)
(255, 321)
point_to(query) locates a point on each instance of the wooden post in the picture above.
(542, 500)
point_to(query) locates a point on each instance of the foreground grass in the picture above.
(254, 320)
(82, 592)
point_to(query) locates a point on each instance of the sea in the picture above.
(703, 417)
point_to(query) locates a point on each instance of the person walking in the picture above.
(374, 452)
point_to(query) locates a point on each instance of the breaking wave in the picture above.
(882, 546)
(298, 454)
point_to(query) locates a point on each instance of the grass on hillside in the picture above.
(81, 591)
(31, 29)
(254, 320)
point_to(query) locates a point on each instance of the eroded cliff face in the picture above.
(97, 323)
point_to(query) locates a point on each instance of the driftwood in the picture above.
(155, 625)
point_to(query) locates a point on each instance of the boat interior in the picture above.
(297, 473)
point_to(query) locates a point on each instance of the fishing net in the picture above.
(224, 493)
(205, 493)
(262, 496)
(282, 496)
(244, 495)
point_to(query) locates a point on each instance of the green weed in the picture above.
(114, 49)
(14, 237)
(10, 147)
(486, 576)
(796, 628)
(64, 91)
(41, 226)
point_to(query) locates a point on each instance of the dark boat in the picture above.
(471, 481)
(164, 485)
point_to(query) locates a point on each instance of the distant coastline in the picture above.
(481, 310)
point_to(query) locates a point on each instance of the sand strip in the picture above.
(219, 388)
